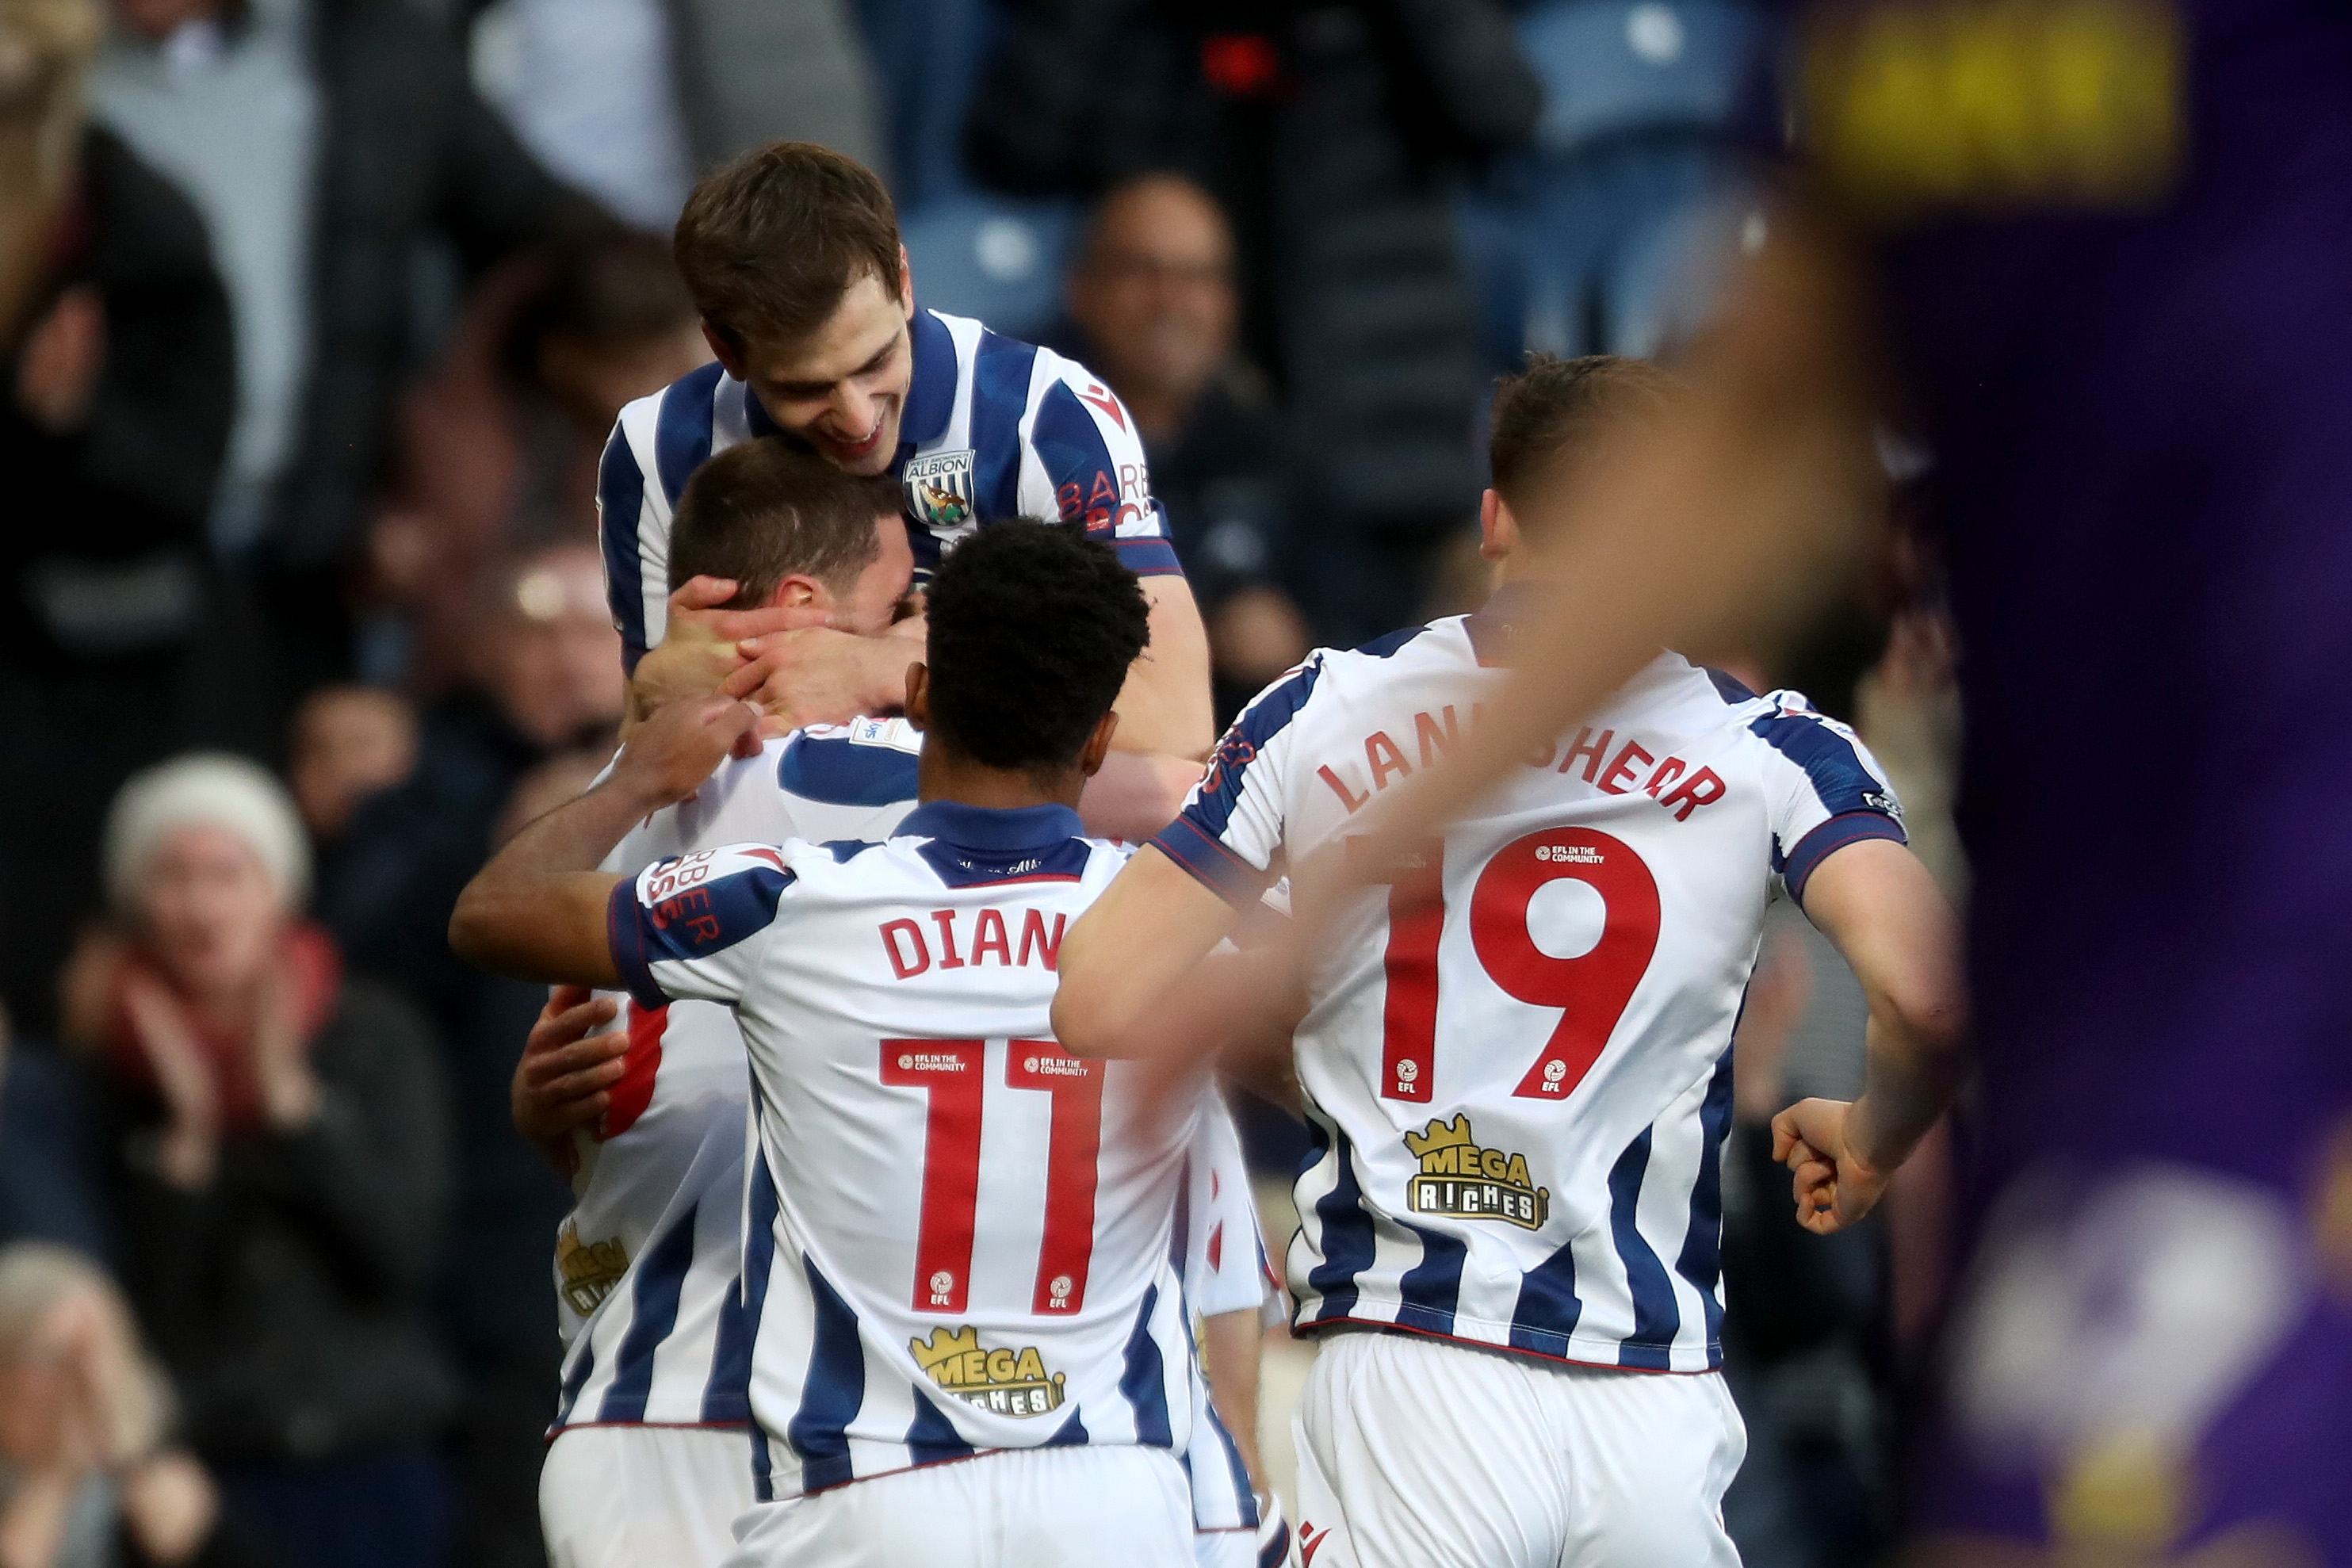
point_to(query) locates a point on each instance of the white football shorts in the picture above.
(624, 1497)
(1417, 1453)
(1111, 1507)
(1267, 1546)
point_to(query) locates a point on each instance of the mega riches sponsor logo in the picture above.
(589, 1268)
(1007, 1381)
(1463, 1181)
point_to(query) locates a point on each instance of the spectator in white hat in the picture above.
(276, 1142)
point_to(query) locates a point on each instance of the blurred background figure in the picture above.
(543, 682)
(350, 743)
(635, 99)
(86, 1478)
(499, 444)
(329, 146)
(1153, 306)
(277, 1142)
(113, 419)
(1332, 133)
(49, 1188)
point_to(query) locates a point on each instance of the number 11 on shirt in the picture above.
(950, 1071)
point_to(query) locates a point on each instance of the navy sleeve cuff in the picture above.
(1149, 557)
(627, 938)
(1220, 870)
(1849, 827)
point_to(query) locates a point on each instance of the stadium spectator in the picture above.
(48, 1175)
(1329, 128)
(631, 100)
(323, 143)
(113, 419)
(545, 681)
(277, 1140)
(82, 1412)
(350, 741)
(1151, 298)
(497, 447)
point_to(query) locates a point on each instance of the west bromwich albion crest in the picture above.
(939, 491)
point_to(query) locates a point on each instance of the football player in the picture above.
(1517, 1060)
(957, 1236)
(791, 253)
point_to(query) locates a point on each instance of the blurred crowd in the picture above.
(311, 351)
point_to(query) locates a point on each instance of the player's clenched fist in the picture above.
(1834, 1186)
(565, 1077)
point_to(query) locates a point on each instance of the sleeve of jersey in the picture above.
(1086, 441)
(1830, 791)
(686, 930)
(1230, 833)
(1225, 1272)
(620, 513)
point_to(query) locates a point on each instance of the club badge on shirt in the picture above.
(939, 488)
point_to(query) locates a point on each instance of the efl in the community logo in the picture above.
(939, 488)
(1007, 1381)
(1463, 1181)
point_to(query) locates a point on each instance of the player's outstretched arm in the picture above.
(537, 911)
(1878, 904)
(1129, 965)
(1164, 706)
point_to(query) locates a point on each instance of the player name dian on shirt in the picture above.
(994, 428)
(958, 1235)
(1516, 1062)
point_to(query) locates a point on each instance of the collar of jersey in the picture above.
(990, 829)
(1493, 626)
(930, 383)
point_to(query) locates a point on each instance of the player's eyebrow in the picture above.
(799, 389)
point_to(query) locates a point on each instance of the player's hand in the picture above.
(819, 675)
(701, 647)
(565, 1077)
(667, 757)
(1834, 1186)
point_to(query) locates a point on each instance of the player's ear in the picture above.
(906, 285)
(1499, 530)
(918, 695)
(1097, 746)
(799, 591)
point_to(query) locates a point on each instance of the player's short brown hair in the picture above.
(763, 511)
(771, 242)
(1555, 407)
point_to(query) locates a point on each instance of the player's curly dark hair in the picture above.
(1032, 625)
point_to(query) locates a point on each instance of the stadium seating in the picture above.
(1599, 237)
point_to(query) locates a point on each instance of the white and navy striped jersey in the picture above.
(1216, 1247)
(993, 430)
(1516, 1061)
(956, 1233)
(648, 1263)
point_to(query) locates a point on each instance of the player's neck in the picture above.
(944, 776)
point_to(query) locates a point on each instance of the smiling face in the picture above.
(843, 388)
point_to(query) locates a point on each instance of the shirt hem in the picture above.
(1713, 1347)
